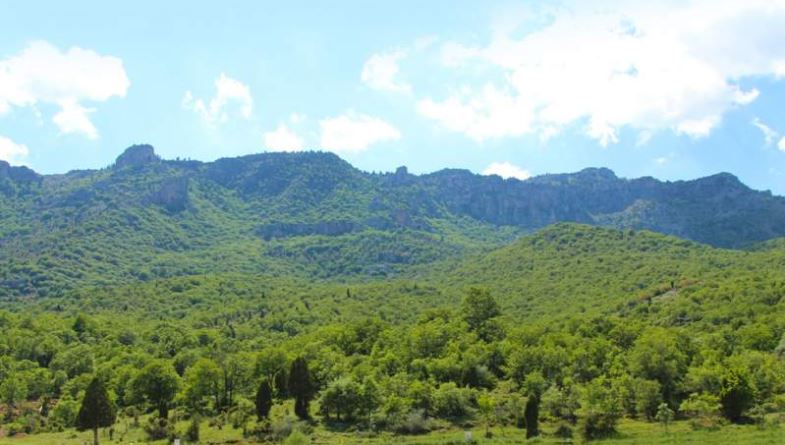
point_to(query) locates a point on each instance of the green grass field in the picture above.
(629, 433)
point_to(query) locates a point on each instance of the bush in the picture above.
(599, 410)
(563, 431)
(192, 433)
(450, 401)
(703, 411)
(64, 413)
(413, 423)
(297, 438)
(647, 398)
(158, 428)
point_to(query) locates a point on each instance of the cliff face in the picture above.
(315, 193)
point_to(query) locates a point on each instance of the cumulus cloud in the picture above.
(229, 94)
(650, 67)
(42, 73)
(381, 72)
(283, 139)
(506, 170)
(353, 132)
(781, 145)
(12, 152)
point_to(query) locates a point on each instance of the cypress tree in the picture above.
(532, 415)
(264, 400)
(301, 387)
(97, 410)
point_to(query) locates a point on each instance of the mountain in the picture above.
(312, 214)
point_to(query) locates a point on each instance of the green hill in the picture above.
(314, 215)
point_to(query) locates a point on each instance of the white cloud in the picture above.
(781, 144)
(353, 132)
(42, 73)
(283, 139)
(484, 114)
(506, 170)
(769, 134)
(381, 72)
(655, 67)
(229, 92)
(73, 118)
(11, 151)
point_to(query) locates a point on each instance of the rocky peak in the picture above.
(137, 155)
(401, 176)
(18, 173)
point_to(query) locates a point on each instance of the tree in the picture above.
(657, 356)
(342, 397)
(703, 410)
(479, 311)
(97, 410)
(13, 390)
(664, 415)
(203, 382)
(648, 398)
(736, 394)
(487, 405)
(157, 383)
(301, 387)
(272, 364)
(264, 399)
(534, 386)
(600, 410)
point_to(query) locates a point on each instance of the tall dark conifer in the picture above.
(301, 387)
(264, 399)
(97, 410)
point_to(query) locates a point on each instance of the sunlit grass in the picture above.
(630, 433)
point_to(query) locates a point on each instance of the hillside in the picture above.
(617, 322)
(314, 215)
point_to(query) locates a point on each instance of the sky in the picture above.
(676, 90)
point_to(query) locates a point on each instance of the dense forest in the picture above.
(123, 313)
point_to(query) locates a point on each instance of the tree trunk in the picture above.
(95, 436)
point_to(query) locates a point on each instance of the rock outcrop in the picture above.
(137, 155)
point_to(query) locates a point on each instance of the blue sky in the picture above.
(675, 91)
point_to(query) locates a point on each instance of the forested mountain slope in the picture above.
(314, 215)
(593, 323)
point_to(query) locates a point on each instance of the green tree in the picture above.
(600, 410)
(657, 355)
(203, 383)
(301, 387)
(479, 311)
(534, 386)
(13, 390)
(97, 411)
(264, 399)
(736, 394)
(487, 405)
(664, 415)
(648, 398)
(702, 409)
(157, 384)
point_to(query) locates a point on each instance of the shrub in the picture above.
(599, 410)
(450, 401)
(297, 437)
(703, 411)
(192, 433)
(414, 422)
(158, 428)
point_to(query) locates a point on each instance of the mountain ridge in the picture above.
(314, 214)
